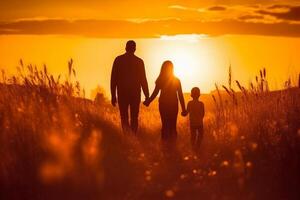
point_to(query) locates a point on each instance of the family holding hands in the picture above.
(128, 77)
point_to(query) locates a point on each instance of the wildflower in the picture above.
(169, 193)
(54, 119)
(148, 178)
(225, 163)
(249, 164)
(253, 146)
(147, 172)
(186, 158)
(212, 173)
(183, 176)
(142, 155)
(233, 129)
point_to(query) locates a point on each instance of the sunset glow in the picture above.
(188, 56)
(201, 38)
(202, 62)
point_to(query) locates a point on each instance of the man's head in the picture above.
(130, 46)
(195, 93)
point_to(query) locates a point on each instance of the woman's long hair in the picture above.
(166, 73)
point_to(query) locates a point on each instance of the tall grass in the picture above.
(262, 127)
(55, 144)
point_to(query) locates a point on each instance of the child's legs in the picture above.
(199, 137)
(193, 135)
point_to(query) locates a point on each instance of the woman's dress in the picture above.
(168, 107)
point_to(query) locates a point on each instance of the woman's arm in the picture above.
(144, 82)
(181, 98)
(153, 95)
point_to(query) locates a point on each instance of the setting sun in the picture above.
(186, 56)
(192, 57)
(186, 65)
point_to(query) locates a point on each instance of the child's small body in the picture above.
(195, 109)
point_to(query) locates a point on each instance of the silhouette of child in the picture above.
(195, 109)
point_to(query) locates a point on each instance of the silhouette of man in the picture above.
(128, 76)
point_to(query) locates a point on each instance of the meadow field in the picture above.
(56, 144)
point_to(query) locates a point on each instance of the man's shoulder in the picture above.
(120, 57)
(125, 57)
(117, 59)
(138, 59)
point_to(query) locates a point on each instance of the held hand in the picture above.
(146, 102)
(114, 101)
(184, 113)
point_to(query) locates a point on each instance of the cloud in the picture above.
(279, 6)
(293, 13)
(147, 29)
(179, 7)
(251, 17)
(217, 8)
(184, 8)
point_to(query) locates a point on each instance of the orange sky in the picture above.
(202, 37)
(199, 60)
(124, 9)
(134, 18)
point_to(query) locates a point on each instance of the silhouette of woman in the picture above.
(170, 90)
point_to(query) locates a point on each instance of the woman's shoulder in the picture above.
(177, 80)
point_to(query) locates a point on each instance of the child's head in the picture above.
(195, 93)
